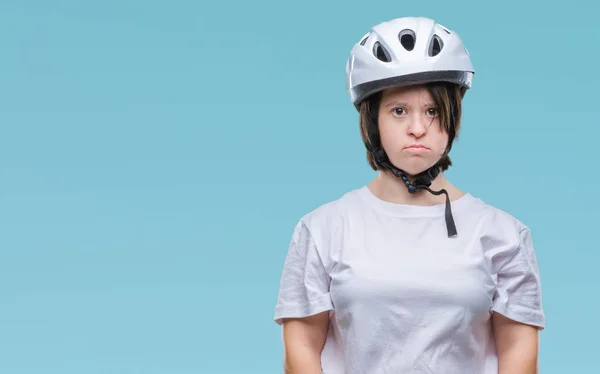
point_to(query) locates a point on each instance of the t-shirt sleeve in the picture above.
(518, 293)
(304, 284)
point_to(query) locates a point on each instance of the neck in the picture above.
(389, 188)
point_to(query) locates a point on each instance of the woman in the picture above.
(408, 274)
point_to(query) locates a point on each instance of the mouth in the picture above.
(417, 147)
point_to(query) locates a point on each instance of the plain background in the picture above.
(155, 157)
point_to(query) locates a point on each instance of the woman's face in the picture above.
(410, 130)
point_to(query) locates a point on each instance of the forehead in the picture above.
(411, 93)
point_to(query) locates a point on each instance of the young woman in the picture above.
(409, 274)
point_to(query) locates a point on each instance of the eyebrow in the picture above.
(405, 104)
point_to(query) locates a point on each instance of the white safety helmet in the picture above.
(406, 51)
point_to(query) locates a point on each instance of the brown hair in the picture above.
(448, 100)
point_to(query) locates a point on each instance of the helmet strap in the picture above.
(421, 181)
(424, 178)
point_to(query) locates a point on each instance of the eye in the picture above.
(432, 112)
(398, 111)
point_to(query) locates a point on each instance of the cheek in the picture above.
(391, 135)
(439, 141)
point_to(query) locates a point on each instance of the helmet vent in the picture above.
(436, 45)
(407, 39)
(445, 29)
(362, 42)
(381, 53)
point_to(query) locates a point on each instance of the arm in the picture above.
(303, 340)
(517, 345)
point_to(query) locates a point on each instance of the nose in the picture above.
(418, 126)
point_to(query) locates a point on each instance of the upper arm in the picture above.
(309, 332)
(518, 315)
(510, 334)
(303, 303)
(517, 345)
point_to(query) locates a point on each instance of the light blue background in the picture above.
(155, 157)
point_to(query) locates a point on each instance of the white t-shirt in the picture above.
(402, 296)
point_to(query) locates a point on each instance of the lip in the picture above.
(417, 147)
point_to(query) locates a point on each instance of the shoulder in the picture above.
(325, 225)
(497, 221)
(503, 236)
(333, 213)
